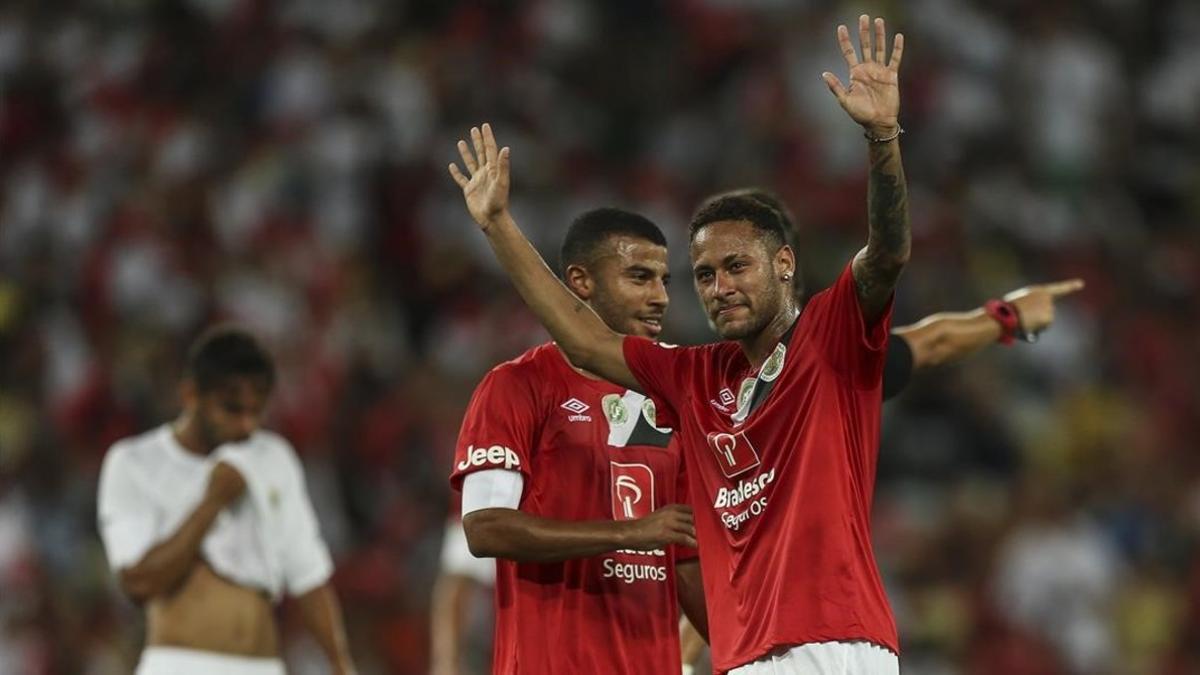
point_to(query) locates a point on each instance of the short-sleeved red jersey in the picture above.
(588, 450)
(781, 464)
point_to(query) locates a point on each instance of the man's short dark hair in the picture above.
(742, 207)
(592, 228)
(225, 352)
(771, 201)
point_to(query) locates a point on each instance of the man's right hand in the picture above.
(225, 484)
(486, 191)
(672, 524)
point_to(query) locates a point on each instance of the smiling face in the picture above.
(738, 278)
(626, 284)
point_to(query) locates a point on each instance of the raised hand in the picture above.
(873, 97)
(672, 524)
(486, 191)
(1035, 304)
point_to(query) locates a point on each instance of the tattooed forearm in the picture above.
(887, 195)
(878, 266)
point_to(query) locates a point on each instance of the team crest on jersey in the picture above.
(735, 453)
(650, 412)
(632, 490)
(631, 421)
(744, 393)
(614, 409)
(774, 364)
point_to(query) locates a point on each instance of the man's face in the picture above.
(629, 285)
(231, 411)
(736, 278)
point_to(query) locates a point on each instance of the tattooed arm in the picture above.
(873, 100)
(877, 267)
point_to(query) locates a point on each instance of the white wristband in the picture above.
(688, 669)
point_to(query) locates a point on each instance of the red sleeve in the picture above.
(500, 427)
(850, 347)
(662, 371)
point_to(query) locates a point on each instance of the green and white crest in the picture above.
(614, 409)
(744, 392)
(650, 412)
(774, 364)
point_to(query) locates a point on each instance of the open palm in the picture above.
(486, 191)
(873, 97)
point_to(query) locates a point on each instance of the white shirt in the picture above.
(267, 539)
(456, 557)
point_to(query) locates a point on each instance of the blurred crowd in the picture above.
(165, 164)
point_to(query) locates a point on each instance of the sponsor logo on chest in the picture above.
(746, 499)
(630, 572)
(735, 454)
(633, 497)
(632, 490)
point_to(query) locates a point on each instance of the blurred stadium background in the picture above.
(164, 164)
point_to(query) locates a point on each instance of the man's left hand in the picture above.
(873, 97)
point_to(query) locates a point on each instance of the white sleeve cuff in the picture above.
(492, 489)
(319, 572)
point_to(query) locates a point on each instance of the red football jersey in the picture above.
(782, 469)
(588, 450)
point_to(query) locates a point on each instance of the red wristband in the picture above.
(1005, 315)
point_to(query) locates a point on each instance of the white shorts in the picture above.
(825, 658)
(176, 661)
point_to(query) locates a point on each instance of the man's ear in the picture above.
(580, 281)
(785, 263)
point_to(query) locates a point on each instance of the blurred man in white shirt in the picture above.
(206, 522)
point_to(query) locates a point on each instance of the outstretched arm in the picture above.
(873, 100)
(587, 341)
(947, 337)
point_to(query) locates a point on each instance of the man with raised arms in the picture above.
(780, 420)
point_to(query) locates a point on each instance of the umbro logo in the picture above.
(577, 408)
(575, 405)
(724, 401)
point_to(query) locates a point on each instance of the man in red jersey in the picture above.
(570, 483)
(780, 421)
